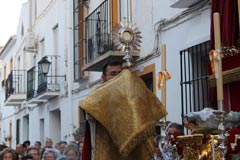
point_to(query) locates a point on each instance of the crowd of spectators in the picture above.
(26, 151)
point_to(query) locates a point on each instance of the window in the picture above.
(26, 127)
(148, 76)
(194, 77)
(78, 39)
(18, 126)
(42, 130)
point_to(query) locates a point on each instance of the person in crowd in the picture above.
(48, 143)
(27, 157)
(27, 143)
(34, 152)
(111, 69)
(71, 152)
(62, 145)
(52, 154)
(38, 145)
(57, 146)
(20, 148)
(8, 154)
(2, 147)
(174, 129)
(19, 156)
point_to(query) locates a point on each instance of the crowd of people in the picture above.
(26, 151)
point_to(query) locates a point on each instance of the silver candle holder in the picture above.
(222, 148)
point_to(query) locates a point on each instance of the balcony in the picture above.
(48, 84)
(15, 91)
(99, 27)
(48, 87)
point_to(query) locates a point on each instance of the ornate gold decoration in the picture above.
(127, 110)
(191, 145)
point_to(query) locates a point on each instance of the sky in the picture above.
(9, 16)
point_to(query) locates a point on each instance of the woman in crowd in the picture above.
(8, 154)
(50, 154)
(72, 152)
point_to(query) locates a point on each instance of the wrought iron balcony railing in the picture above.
(93, 35)
(49, 83)
(15, 83)
(98, 31)
(52, 81)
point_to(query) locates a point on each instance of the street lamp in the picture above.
(44, 65)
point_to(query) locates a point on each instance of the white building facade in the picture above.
(65, 33)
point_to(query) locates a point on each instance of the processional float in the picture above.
(213, 132)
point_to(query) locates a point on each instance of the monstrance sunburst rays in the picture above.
(127, 37)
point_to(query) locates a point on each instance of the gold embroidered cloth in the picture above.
(127, 109)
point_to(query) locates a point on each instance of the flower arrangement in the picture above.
(233, 141)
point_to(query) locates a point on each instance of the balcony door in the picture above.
(55, 125)
(18, 126)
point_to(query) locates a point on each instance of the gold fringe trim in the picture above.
(137, 139)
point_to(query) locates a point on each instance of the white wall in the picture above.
(187, 34)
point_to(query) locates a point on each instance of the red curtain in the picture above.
(229, 26)
(231, 94)
(235, 94)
